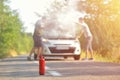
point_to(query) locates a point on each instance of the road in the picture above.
(18, 68)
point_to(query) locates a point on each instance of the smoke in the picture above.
(62, 19)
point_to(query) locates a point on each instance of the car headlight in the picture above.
(44, 40)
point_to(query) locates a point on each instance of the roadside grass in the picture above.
(108, 58)
(11, 53)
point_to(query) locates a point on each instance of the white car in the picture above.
(61, 42)
(66, 47)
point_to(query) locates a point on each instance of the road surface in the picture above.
(18, 68)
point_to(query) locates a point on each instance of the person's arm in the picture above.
(80, 33)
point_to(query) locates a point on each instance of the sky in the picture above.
(27, 10)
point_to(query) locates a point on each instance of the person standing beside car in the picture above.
(89, 38)
(37, 38)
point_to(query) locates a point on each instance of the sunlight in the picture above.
(106, 1)
(27, 9)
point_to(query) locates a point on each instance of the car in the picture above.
(65, 47)
(59, 40)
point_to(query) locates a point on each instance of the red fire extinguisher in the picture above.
(41, 65)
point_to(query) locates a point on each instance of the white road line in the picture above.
(47, 68)
(37, 62)
(53, 73)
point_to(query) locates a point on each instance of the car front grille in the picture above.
(55, 50)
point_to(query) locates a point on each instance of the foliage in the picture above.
(103, 19)
(11, 35)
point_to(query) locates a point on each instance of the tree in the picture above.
(11, 35)
(103, 17)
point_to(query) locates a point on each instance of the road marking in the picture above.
(37, 62)
(47, 68)
(53, 73)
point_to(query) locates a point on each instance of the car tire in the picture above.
(65, 57)
(76, 57)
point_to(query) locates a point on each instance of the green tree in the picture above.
(103, 19)
(11, 34)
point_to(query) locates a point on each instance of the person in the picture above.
(37, 37)
(88, 36)
(31, 52)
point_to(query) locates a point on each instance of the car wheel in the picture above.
(65, 57)
(76, 57)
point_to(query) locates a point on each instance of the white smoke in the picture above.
(62, 18)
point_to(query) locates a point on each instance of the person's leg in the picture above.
(87, 48)
(39, 46)
(90, 48)
(39, 52)
(86, 51)
(31, 52)
(91, 51)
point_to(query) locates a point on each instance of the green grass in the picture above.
(100, 58)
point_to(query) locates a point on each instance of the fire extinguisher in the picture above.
(41, 65)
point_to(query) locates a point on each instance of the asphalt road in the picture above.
(18, 68)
